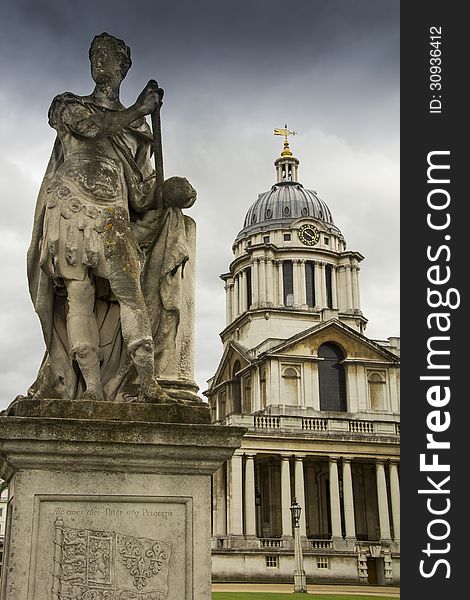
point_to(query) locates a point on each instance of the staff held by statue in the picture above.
(157, 145)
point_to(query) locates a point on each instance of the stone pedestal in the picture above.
(115, 508)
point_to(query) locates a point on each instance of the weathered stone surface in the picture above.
(112, 257)
(109, 507)
(118, 411)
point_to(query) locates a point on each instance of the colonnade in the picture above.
(240, 518)
(267, 289)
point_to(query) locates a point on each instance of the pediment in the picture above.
(233, 352)
(354, 345)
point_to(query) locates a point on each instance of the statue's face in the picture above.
(106, 64)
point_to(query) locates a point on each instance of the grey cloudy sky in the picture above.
(232, 71)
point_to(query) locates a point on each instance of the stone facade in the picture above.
(320, 401)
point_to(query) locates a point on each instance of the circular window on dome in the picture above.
(286, 210)
(269, 213)
(305, 211)
(253, 218)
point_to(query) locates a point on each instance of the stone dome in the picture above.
(281, 205)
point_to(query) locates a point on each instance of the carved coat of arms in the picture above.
(105, 565)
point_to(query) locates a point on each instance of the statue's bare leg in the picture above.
(83, 335)
(137, 334)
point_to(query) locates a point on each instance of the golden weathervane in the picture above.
(286, 133)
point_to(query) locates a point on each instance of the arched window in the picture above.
(376, 383)
(237, 395)
(331, 378)
(290, 381)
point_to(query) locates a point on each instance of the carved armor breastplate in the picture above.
(93, 178)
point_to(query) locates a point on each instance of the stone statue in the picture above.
(110, 265)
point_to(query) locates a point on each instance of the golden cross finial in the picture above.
(285, 132)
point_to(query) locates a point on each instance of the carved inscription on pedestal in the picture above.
(106, 565)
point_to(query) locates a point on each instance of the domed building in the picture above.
(319, 399)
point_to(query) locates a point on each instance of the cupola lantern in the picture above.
(286, 165)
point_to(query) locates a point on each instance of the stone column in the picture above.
(341, 288)
(384, 518)
(236, 516)
(295, 277)
(236, 297)
(220, 517)
(393, 387)
(270, 294)
(349, 293)
(285, 497)
(255, 390)
(334, 500)
(228, 303)
(274, 379)
(300, 492)
(395, 498)
(356, 291)
(250, 506)
(319, 285)
(280, 284)
(275, 284)
(302, 289)
(255, 282)
(262, 281)
(348, 500)
(334, 288)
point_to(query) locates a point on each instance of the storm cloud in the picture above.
(232, 71)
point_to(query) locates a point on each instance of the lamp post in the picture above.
(300, 581)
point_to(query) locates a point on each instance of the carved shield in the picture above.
(105, 565)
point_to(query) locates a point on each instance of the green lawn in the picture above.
(272, 596)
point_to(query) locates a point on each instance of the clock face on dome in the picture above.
(309, 235)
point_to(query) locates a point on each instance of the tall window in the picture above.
(331, 378)
(288, 281)
(310, 283)
(249, 289)
(329, 289)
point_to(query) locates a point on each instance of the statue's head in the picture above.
(110, 58)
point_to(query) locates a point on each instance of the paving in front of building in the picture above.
(284, 588)
(320, 401)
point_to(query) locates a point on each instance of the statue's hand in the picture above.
(150, 98)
